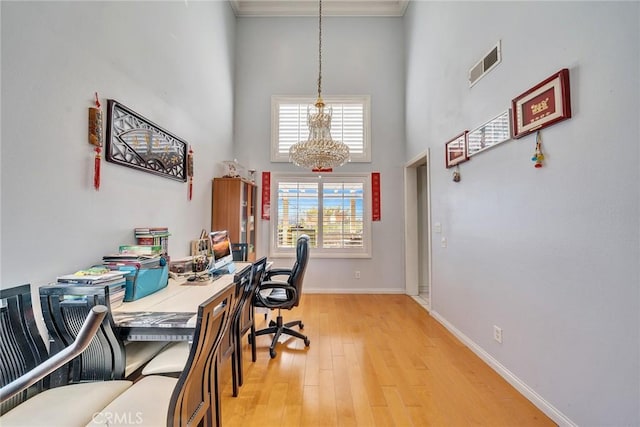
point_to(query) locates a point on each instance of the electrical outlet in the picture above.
(497, 333)
(357, 274)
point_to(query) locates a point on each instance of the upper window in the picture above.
(332, 210)
(349, 124)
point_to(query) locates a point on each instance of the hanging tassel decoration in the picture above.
(96, 169)
(190, 171)
(538, 157)
(95, 138)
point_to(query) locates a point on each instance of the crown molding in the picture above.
(310, 7)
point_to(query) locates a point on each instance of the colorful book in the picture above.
(140, 249)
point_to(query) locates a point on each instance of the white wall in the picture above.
(172, 62)
(279, 56)
(550, 255)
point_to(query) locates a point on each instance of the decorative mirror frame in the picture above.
(136, 142)
(490, 134)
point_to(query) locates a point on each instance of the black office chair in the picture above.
(284, 295)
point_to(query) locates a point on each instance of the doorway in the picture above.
(418, 230)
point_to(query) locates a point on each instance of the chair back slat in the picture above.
(21, 346)
(194, 401)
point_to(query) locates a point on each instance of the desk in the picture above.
(170, 313)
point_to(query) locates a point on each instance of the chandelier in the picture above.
(319, 151)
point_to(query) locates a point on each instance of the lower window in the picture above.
(332, 210)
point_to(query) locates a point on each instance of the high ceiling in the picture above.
(310, 7)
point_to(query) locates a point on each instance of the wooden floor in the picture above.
(374, 360)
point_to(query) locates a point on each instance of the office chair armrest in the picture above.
(82, 341)
(277, 272)
(275, 285)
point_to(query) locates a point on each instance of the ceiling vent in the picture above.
(486, 64)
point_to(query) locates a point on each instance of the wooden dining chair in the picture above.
(193, 399)
(171, 360)
(245, 321)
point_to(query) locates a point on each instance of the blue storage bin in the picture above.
(142, 281)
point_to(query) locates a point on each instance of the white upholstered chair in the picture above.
(191, 399)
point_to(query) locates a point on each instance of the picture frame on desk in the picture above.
(201, 247)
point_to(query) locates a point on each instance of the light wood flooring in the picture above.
(374, 360)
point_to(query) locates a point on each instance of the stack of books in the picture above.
(154, 236)
(100, 276)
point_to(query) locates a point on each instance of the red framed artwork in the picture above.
(455, 150)
(543, 105)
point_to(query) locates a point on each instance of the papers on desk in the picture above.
(155, 319)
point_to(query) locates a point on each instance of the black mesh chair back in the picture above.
(64, 309)
(21, 345)
(239, 251)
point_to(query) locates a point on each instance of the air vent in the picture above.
(486, 64)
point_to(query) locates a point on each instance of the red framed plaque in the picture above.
(543, 105)
(266, 195)
(455, 150)
(375, 197)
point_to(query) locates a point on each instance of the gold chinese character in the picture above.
(541, 106)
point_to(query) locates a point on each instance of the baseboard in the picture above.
(551, 411)
(307, 290)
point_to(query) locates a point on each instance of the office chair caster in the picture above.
(272, 353)
(307, 342)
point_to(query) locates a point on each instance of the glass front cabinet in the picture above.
(233, 208)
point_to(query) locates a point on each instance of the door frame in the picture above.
(411, 239)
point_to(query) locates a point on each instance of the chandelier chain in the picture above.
(320, 151)
(320, 51)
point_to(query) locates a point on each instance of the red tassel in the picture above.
(96, 169)
(190, 171)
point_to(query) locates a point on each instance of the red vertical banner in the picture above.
(375, 196)
(266, 195)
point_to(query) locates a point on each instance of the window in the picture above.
(349, 124)
(332, 210)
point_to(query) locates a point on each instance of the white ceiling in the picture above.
(310, 7)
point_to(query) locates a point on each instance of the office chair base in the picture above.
(278, 328)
